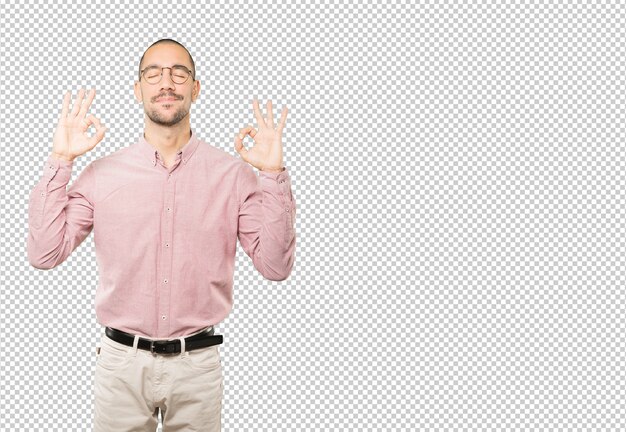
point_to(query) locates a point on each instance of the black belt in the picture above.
(172, 346)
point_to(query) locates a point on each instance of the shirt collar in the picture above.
(150, 153)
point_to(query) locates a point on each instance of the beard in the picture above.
(167, 118)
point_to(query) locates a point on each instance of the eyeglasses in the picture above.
(153, 74)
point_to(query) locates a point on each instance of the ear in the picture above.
(196, 91)
(137, 90)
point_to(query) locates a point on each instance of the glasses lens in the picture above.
(152, 74)
(179, 74)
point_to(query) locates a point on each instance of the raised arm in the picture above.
(59, 220)
(267, 208)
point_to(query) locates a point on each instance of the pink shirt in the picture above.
(165, 237)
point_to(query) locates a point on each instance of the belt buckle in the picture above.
(167, 347)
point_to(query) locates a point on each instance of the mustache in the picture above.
(166, 96)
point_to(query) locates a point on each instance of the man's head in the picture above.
(166, 53)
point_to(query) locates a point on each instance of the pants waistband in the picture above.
(200, 339)
(208, 329)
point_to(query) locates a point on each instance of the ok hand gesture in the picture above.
(70, 137)
(267, 152)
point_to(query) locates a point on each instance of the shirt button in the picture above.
(164, 280)
(167, 245)
(162, 316)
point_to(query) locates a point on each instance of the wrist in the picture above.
(272, 170)
(61, 157)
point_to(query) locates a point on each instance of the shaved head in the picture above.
(172, 42)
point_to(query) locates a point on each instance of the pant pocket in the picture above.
(113, 355)
(204, 359)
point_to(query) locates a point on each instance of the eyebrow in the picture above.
(158, 65)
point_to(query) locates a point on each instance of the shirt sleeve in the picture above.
(59, 220)
(267, 214)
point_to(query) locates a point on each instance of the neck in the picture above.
(167, 140)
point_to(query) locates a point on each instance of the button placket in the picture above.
(169, 192)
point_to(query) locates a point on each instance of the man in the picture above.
(166, 213)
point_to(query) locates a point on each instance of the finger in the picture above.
(257, 113)
(91, 120)
(239, 148)
(97, 123)
(77, 102)
(245, 131)
(88, 122)
(66, 105)
(283, 119)
(239, 136)
(85, 106)
(100, 131)
(270, 115)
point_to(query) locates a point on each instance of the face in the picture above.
(166, 112)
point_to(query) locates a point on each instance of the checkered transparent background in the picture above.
(458, 171)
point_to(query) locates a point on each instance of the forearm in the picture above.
(58, 220)
(277, 236)
(267, 219)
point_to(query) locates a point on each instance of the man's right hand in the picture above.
(70, 137)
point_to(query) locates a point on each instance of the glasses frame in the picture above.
(193, 78)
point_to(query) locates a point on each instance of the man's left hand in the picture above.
(267, 152)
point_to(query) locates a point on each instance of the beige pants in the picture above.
(132, 384)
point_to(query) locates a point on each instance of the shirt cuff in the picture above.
(279, 183)
(59, 169)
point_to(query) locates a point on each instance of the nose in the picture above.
(166, 79)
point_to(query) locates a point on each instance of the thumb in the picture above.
(239, 148)
(100, 130)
